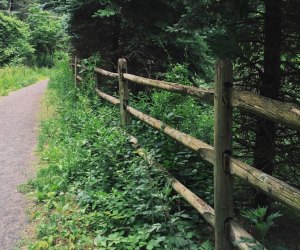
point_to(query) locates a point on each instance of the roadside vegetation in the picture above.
(16, 77)
(27, 46)
(93, 191)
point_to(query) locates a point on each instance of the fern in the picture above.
(259, 220)
(207, 245)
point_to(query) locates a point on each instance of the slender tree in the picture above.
(264, 149)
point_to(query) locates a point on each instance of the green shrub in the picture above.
(95, 192)
(261, 221)
(185, 114)
(46, 35)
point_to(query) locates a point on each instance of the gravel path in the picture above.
(18, 138)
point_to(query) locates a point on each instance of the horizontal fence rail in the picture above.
(224, 164)
(270, 185)
(79, 78)
(267, 108)
(258, 105)
(236, 232)
(202, 94)
(106, 73)
(201, 206)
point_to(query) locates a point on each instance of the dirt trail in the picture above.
(18, 138)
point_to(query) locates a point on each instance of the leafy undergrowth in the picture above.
(16, 77)
(92, 191)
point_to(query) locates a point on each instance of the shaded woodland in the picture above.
(176, 41)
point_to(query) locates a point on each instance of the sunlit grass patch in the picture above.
(13, 78)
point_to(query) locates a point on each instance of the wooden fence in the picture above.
(228, 233)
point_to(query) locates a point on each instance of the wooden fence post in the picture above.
(123, 92)
(223, 201)
(75, 69)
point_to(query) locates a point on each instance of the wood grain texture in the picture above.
(270, 185)
(123, 92)
(109, 98)
(238, 235)
(276, 111)
(206, 95)
(267, 108)
(223, 190)
(105, 73)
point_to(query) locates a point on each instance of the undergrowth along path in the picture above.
(18, 138)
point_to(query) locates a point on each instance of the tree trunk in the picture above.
(9, 6)
(264, 151)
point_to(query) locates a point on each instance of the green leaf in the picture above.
(105, 13)
(100, 241)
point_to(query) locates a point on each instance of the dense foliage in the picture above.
(141, 31)
(261, 37)
(20, 6)
(14, 41)
(96, 193)
(29, 34)
(46, 34)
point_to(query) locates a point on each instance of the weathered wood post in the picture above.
(75, 69)
(123, 92)
(223, 201)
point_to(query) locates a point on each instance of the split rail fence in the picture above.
(228, 233)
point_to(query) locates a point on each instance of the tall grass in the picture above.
(13, 78)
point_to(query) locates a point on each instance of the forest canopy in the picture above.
(29, 34)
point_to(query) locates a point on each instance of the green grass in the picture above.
(13, 78)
